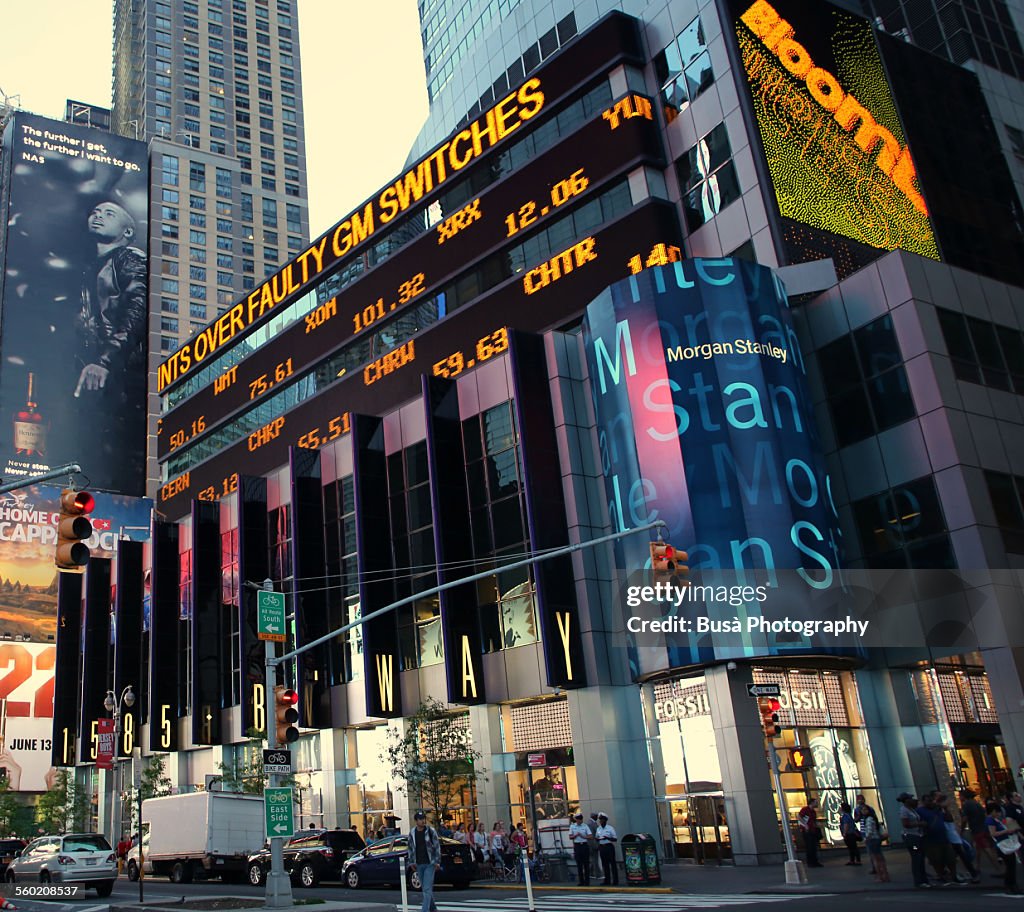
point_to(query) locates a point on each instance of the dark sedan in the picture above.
(378, 864)
(309, 857)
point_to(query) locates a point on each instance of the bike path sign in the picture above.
(278, 808)
(270, 616)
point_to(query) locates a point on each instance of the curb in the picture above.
(574, 888)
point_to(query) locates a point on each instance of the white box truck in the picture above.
(199, 835)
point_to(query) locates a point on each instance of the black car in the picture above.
(378, 864)
(310, 857)
(8, 849)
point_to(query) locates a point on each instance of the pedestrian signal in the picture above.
(73, 528)
(668, 561)
(800, 759)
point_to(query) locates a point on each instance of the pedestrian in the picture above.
(606, 839)
(499, 844)
(460, 834)
(519, 844)
(851, 834)
(954, 830)
(937, 847)
(479, 842)
(861, 810)
(425, 853)
(595, 855)
(1014, 809)
(1006, 839)
(974, 815)
(873, 835)
(913, 837)
(808, 820)
(579, 835)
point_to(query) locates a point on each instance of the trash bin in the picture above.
(640, 858)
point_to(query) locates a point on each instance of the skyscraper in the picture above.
(215, 86)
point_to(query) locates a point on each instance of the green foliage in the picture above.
(65, 807)
(434, 760)
(9, 807)
(244, 773)
(155, 781)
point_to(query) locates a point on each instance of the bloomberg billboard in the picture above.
(705, 422)
(73, 347)
(830, 130)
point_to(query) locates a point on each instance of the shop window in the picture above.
(866, 382)
(707, 178)
(683, 69)
(903, 527)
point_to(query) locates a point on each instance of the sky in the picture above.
(362, 79)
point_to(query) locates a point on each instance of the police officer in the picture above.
(580, 835)
(595, 857)
(606, 839)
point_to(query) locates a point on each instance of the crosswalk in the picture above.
(617, 902)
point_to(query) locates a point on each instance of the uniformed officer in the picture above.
(580, 835)
(595, 856)
(606, 839)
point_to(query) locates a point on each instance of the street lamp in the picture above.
(113, 706)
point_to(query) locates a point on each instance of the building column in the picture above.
(492, 802)
(613, 767)
(335, 777)
(746, 778)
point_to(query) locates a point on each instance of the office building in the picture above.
(215, 88)
(717, 264)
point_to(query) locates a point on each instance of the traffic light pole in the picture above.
(796, 870)
(70, 469)
(279, 885)
(527, 562)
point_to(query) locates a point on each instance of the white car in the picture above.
(84, 858)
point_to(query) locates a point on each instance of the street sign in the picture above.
(278, 812)
(270, 616)
(277, 762)
(764, 690)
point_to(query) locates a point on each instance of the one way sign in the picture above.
(764, 690)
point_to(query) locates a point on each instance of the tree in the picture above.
(434, 760)
(8, 807)
(63, 807)
(155, 781)
(245, 772)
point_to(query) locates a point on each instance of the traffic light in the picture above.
(668, 561)
(73, 527)
(769, 708)
(286, 715)
(800, 759)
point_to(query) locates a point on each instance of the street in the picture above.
(486, 899)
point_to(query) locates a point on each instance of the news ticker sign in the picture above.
(325, 417)
(538, 193)
(611, 40)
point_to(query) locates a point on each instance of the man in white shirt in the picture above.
(606, 839)
(580, 834)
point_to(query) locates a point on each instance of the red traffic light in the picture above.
(286, 715)
(769, 708)
(72, 553)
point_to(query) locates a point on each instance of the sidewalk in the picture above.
(834, 877)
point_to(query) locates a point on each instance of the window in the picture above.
(683, 69)
(168, 345)
(982, 352)
(169, 286)
(1007, 493)
(197, 237)
(223, 183)
(225, 261)
(169, 196)
(197, 292)
(197, 273)
(904, 527)
(197, 176)
(197, 254)
(168, 231)
(866, 382)
(224, 278)
(293, 217)
(169, 324)
(168, 249)
(169, 305)
(168, 213)
(197, 219)
(707, 177)
(197, 202)
(197, 311)
(269, 213)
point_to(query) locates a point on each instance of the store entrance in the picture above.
(701, 829)
(984, 768)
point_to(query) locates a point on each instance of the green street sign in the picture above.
(277, 804)
(270, 616)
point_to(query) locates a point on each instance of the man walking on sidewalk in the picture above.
(812, 835)
(913, 837)
(606, 839)
(425, 854)
(580, 835)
